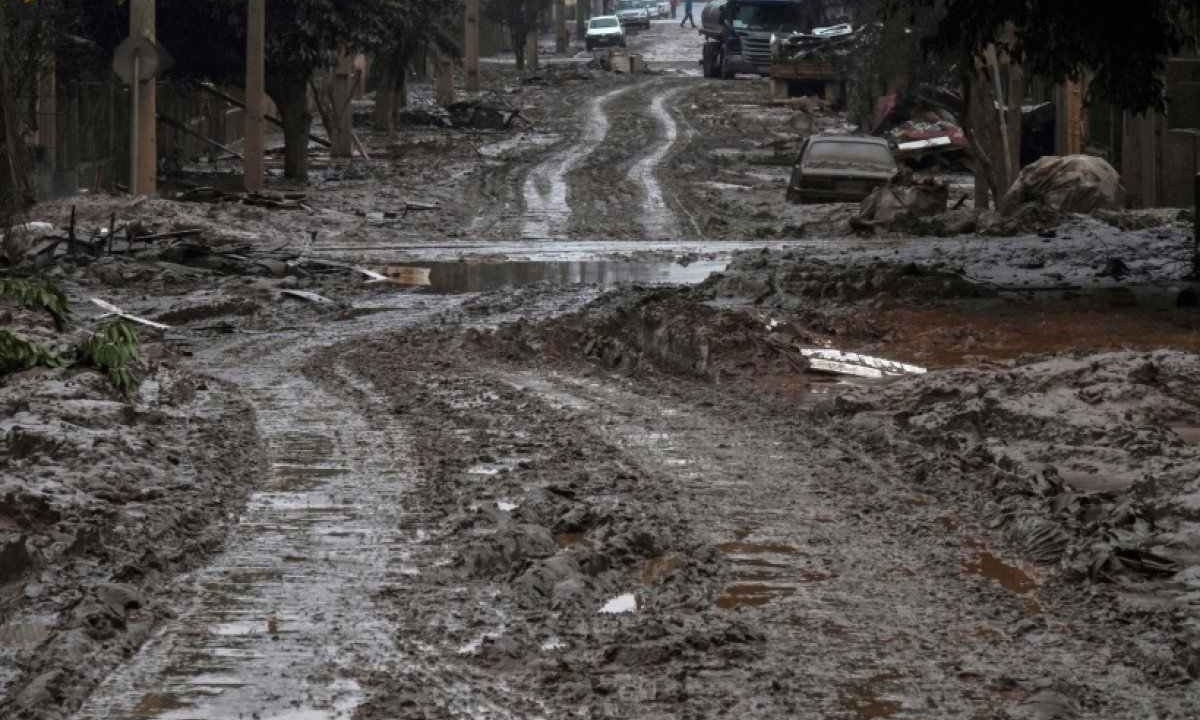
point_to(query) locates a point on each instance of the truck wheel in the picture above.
(590, 46)
(708, 60)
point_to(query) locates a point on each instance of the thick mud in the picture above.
(522, 474)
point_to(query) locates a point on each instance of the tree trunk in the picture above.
(385, 100)
(15, 190)
(443, 81)
(290, 93)
(518, 43)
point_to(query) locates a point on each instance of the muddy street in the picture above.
(575, 416)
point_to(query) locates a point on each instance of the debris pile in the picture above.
(824, 44)
(1070, 184)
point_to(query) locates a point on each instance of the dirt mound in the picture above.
(101, 502)
(788, 280)
(1089, 465)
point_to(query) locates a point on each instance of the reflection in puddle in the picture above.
(741, 547)
(626, 603)
(1190, 434)
(752, 595)
(1009, 577)
(461, 277)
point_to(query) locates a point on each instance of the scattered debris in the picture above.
(895, 203)
(311, 297)
(1071, 184)
(848, 363)
(114, 310)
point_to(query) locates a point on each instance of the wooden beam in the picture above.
(256, 32)
(471, 46)
(144, 143)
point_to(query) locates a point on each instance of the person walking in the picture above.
(687, 14)
(674, 9)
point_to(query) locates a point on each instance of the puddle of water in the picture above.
(655, 570)
(863, 699)
(554, 644)
(621, 604)
(456, 278)
(568, 540)
(1010, 577)
(752, 595)
(742, 547)
(1190, 434)
(518, 143)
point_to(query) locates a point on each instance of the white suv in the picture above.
(604, 31)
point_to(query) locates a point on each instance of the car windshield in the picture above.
(628, 5)
(846, 155)
(605, 23)
(791, 17)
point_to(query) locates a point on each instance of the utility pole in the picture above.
(581, 17)
(144, 122)
(256, 35)
(471, 46)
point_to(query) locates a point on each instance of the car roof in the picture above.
(860, 139)
(604, 17)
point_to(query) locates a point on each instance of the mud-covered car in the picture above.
(604, 31)
(632, 13)
(840, 168)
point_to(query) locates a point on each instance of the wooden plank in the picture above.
(143, 24)
(848, 363)
(256, 29)
(114, 310)
(311, 297)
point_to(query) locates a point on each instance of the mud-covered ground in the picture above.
(550, 468)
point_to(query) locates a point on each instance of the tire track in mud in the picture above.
(547, 209)
(657, 220)
(885, 616)
(285, 622)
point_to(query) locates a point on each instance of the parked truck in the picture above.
(738, 32)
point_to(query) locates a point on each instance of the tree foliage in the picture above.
(520, 17)
(1122, 48)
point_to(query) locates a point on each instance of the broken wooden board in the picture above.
(114, 310)
(846, 363)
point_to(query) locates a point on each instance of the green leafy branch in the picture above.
(38, 295)
(17, 354)
(113, 349)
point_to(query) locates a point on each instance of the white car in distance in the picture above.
(604, 31)
(632, 13)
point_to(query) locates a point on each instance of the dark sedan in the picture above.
(840, 168)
